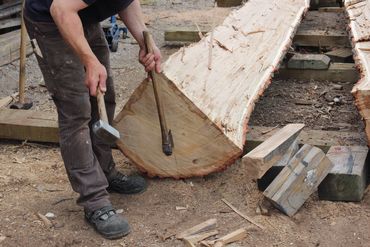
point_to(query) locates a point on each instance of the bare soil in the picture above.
(33, 179)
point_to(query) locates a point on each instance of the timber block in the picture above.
(341, 55)
(299, 179)
(228, 3)
(309, 61)
(28, 125)
(270, 157)
(347, 179)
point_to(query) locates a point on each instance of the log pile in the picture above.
(209, 90)
(359, 24)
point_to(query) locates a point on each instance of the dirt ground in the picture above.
(33, 179)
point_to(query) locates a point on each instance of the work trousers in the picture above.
(87, 159)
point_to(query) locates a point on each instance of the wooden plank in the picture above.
(28, 125)
(309, 61)
(228, 3)
(320, 138)
(347, 179)
(340, 55)
(337, 72)
(359, 30)
(206, 109)
(299, 179)
(9, 47)
(331, 9)
(201, 236)
(274, 150)
(202, 227)
(13, 22)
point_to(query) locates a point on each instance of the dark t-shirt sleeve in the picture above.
(88, 2)
(100, 10)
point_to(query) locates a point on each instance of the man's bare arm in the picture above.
(65, 15)
(133, 18)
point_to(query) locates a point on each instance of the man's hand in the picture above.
(96, 75)
(151, 60)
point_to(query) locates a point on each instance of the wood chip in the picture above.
(45, 220)
(207, 225)
(241, 214)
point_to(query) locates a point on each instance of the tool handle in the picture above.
(167, 141)
(101, 105)
(22, 57)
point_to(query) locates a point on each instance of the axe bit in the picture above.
(167, 140)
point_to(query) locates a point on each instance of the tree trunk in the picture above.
(209, 90)
(359, 22)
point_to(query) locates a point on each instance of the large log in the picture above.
(359, 22)
(208, 99)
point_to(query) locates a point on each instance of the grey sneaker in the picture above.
(108, 223)
(124, 184)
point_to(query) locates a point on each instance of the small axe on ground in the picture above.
(167, 140)
(102, 128)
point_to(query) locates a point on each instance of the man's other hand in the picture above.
(96, 75)
(151, 60)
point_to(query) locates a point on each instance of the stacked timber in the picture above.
(208, 91)
(359, 22)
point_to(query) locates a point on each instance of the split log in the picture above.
(357, 12)
(208, 109)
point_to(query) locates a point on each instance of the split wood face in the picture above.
(206, 109)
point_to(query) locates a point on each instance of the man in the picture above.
(74, 60)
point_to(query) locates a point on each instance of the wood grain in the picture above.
(359, 29)
(208, 110)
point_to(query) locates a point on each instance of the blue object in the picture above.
(113, 33)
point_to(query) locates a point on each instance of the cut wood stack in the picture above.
(209, 90)
(359, 22)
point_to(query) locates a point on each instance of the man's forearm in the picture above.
(132, 16)
(70, 26)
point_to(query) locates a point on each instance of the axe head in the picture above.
(105, 132)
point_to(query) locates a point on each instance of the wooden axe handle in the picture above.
(101, 105)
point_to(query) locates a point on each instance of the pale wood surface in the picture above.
(359, 30)
(299, 179)
(232, 237)
(273, 150)
(208, 110)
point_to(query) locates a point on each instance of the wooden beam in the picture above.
(337, 72)
(347, 180)
(299, 179)
(276, 150)
(319, 138)
(13, 22)
(322, 29)
(9, 9)
(309, 61)
(206, 109)
(28, 125)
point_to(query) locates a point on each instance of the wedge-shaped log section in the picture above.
(208, 91)
(358, 13)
